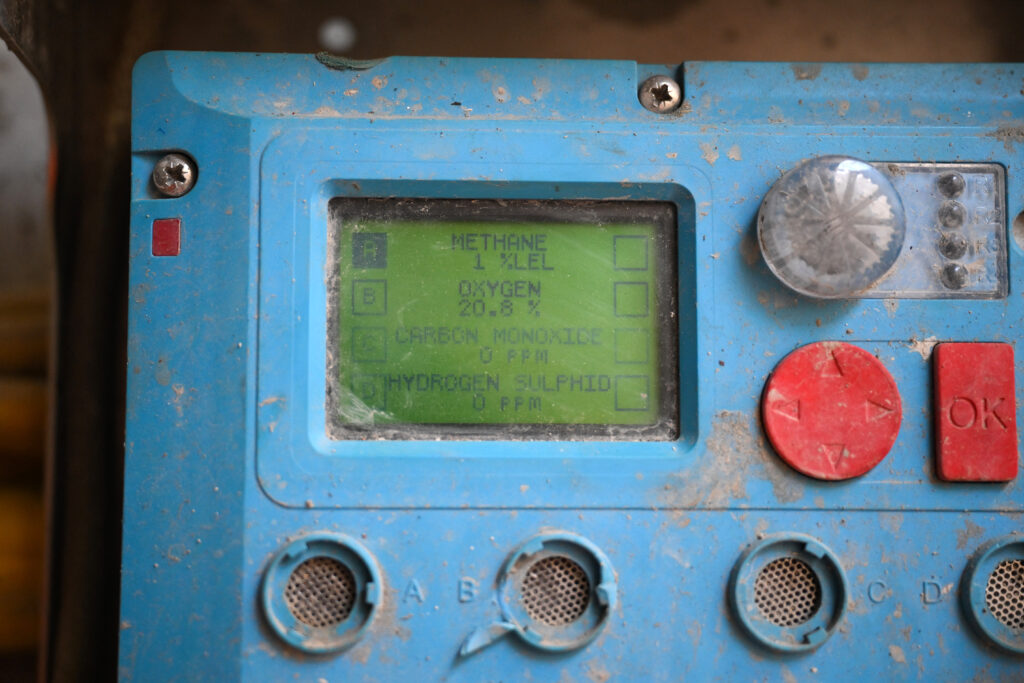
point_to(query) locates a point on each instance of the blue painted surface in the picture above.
(226, 458)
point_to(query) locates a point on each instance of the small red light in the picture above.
(166, 237)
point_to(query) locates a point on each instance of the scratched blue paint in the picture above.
(226, 461)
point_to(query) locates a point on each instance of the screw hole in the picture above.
(1018, 230)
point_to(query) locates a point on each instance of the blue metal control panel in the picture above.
(479, 370)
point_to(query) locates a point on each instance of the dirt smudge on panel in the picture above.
(970, 530)
(360, 654)
(1008, 135)
(597, 673)
(806, 72)
(923, 347)
(736, 453)
(709, 152)
(750, 250)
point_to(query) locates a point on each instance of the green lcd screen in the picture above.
(502, 319)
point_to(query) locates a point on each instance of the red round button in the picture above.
(831, 410)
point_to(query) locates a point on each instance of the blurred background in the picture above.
(65, 71)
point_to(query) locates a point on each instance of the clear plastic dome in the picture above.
(831, 227)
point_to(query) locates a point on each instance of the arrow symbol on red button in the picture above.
(789, 409)
(874, 410)
(831, 367)
(834, 452)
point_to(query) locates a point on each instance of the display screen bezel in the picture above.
(660, 215)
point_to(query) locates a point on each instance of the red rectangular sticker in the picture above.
(975, 412)
(166, 237)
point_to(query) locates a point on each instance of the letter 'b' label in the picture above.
(468, 588)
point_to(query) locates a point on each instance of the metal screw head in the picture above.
(174, 175)
(660, 94)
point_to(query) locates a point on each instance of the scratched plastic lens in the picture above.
(831, 227)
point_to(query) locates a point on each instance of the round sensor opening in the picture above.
(787, 592)
(1004, 593)
(992, 592)
(555, 591)
(321, 592)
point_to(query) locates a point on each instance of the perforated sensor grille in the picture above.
(321, 592)
(555, 591)
(1004, 593)
(787, 592)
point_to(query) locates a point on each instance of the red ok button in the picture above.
(831, 410)
(975, 412)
